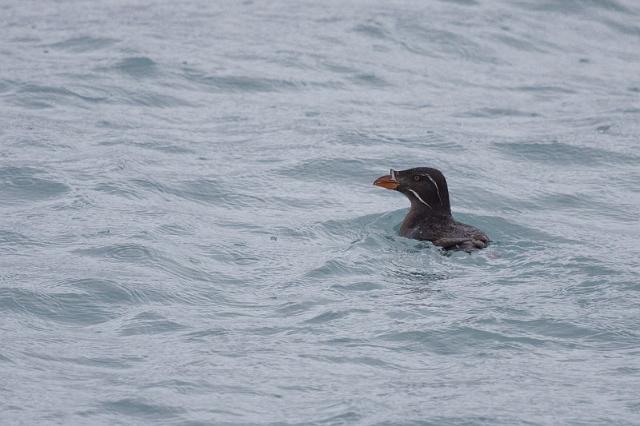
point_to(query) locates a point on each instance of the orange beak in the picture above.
(387, 181)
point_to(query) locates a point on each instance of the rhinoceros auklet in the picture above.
(430, 215)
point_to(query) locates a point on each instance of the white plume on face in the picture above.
(420, 199)
(428, 176)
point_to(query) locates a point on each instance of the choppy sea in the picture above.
(189, 234)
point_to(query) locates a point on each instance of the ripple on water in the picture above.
(329, 316)
(138, 67)
(544, 89)
(340, 268)
(372, 29)
(498, 113)
(573, 334)
(414, 35)
(80, 309)
(83, 44)
(120, 363)
(463, 2)
(369, 227)
(107, 291)
(149, 323)
(39, 96)
(6, 85)
(146, 98)
(369, 79)
(134, 253)
(213, 192)
(563, 153)
(328, 169)
(428, 140)
(237, 83)
(461, 340)
(358, 286)
(584, 202)
(20, 184)
(571, 7)
(165, 147)
(14, 242)
(209, 191)
(519, 43)
(140, 409)
(137, 254)
(118, 189)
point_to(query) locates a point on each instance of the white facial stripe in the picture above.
(421, 200)
(436, 185)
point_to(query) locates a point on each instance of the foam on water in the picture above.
(189, 234)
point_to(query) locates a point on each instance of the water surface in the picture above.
(189, 234)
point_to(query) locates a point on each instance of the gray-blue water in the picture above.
(189, 233)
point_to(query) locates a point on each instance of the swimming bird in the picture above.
(430, 216)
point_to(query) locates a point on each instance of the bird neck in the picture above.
(419, 214)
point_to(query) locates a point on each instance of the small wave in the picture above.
(37, 96)
(118, 189)
(20, 184)
(372, 29)
(55, 94)
(122, 252)
(139, 67)
(574, 6)
(144, 98)
(71, 308)
(166, 147)
(108, 291)
(370, 79)
(138, 254)
(358, 286)
(153, 99)
(563, 153)
(544, 89)
(329, 169)
(463, 2)
(6, 85)
(83, 44)
(498, 113)
(573, 334)
(235, 83)
(139, 408)
(424, 40)
(521, 43)
(149, 323)
(214, 192)
(120, 363)
(251, 84)
(14, 242)
(329, 316)
(461, 339)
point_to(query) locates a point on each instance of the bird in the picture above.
(429, 218)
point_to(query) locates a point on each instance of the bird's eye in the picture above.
(416, 178)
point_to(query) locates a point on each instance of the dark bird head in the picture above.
(425, 187)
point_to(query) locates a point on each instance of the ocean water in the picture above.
(189, 234)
